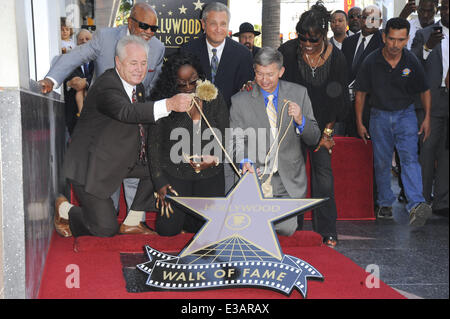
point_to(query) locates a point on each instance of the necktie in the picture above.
(86, 69)
(142, 152)
(214, 65)
(358, 54)
(272, 115)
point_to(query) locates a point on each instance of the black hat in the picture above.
(246, 27)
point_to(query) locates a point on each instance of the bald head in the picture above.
(142, 21)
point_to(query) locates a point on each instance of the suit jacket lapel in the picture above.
(204, 58)
(259, 107)
(280, 113)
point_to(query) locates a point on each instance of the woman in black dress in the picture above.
(315, 63)
(182, 158)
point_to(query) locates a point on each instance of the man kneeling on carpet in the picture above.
(109, 144)
(284, 110)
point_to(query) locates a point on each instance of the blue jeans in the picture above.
(397, 129)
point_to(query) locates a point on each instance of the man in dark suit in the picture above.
(143, 23)
(247, 36)
(227, 64)
(356, 48)
(108, 144)
(431, 46)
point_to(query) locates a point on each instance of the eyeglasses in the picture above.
(311, 40)
(145, 26)
(354, 16)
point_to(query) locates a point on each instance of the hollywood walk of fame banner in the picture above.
(179, 21)
(236, 247)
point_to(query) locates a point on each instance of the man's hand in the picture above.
(435, 38)
(179, 103)
(77, 83)
(295, 111)
(362, 132)
(409, 8)
(425, 128)
(206, 162)
(46, 85)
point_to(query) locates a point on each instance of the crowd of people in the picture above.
(389, 85)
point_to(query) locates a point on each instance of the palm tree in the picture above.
(271, 23)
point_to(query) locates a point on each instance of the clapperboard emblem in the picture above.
(236, 247)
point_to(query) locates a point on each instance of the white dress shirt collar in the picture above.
(127, 86)
(219, 49)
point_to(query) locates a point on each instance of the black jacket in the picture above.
(105, 143)
(235, 66)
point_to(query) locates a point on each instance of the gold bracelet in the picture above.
(328, 132)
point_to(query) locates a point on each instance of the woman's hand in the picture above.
(161, 204)
(327, 142)
(206, 162)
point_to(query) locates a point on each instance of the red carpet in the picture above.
(101, 277)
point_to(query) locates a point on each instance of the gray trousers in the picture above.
(288, 226)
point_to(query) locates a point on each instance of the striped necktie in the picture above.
(214, 65)
(142, 152)
(272, 115)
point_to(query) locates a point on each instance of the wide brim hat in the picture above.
(246, 27)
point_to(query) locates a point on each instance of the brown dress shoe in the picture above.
(61, 224)
(140, 229)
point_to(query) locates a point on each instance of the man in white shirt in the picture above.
(338, 25)
(431, 46)
(426, 10)
(227, 63)
(354, 21)
(109, 144)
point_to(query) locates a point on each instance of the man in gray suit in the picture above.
(101, 50)
(283, 111)
(431, 47)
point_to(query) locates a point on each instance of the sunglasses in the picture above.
(311, 40)
(145, 26)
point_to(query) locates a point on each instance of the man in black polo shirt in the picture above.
(392, 75)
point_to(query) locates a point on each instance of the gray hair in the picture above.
(217, 7)
(267, 56)
(127, 40)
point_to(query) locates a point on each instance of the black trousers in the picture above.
(322, 186)
(182, 218)
(97, 216)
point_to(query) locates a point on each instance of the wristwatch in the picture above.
(328, 132)
(426, 48)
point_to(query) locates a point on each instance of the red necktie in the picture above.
(142, 152)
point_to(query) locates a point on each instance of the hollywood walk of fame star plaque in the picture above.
(236, 247)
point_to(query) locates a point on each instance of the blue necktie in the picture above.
(86, 69)
(214, 65)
